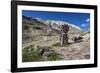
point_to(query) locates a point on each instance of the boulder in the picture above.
(77, 39)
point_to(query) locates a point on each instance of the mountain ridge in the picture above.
(51, 22)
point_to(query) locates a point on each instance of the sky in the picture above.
(79, 19)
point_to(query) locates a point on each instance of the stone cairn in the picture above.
(64, 36)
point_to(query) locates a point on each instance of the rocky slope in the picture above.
(37, 26)
(46, 33)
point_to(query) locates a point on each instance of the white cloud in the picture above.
(87, 20)
(83, 25)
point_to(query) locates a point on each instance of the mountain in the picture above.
(73, 29)
(59, 23)
(54, 24)
(37, 26)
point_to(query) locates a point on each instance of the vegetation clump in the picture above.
(32, 54)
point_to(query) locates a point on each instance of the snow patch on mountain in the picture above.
(59, 23)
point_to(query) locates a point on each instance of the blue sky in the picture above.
(80, 19)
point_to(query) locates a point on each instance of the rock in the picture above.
(87, 56)
(47, 53)
(36, 47)
(63, 39)
(77, 39)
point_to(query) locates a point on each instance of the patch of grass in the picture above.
(31, 54)
(31, 57)
(54, 57)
